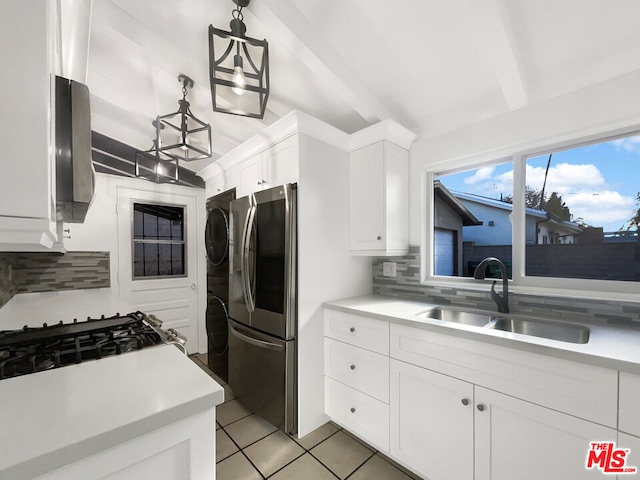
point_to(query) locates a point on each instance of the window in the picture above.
(561, 218)
(158, 241)
(472, 219)
(589, 196)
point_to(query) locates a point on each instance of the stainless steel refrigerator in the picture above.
(262, 304)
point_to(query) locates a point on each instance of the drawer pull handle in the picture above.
(353, 367)
(353, 410)
(379, 237)
(465, 401)
(352, 329)
(481, 407)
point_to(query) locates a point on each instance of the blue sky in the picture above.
(599, 183)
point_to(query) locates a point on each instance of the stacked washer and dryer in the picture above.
(217, 245)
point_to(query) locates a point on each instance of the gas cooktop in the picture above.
(31, 350)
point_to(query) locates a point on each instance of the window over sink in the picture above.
(158, 241)
(564, 216)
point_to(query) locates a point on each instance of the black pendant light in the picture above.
(240, 74)
(154, 165)
(181, 134)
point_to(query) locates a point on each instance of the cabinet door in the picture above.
(629, 416)
(431, 418)
(518, 439)
(280, 163)
(357, 412)
(250, 176)
(631, 443)
(366, 198)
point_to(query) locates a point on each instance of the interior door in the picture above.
(172, 298)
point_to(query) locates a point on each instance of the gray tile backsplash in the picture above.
(27, 272)
(8, 284)
(406, 284)
(48, 272)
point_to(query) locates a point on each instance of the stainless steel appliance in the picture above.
(262, 304)
(35, 349)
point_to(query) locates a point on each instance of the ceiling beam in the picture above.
(496, 40)
(308, 42)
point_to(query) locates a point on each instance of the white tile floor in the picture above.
(250, 448)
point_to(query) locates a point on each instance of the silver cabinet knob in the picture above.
(480, 407)
(379, 237)
(352, 367)
(353, 410)
(352, 329)
(259, 183)
(465, 401)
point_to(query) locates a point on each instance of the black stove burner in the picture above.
(32, 350)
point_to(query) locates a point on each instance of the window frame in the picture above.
(520, 283)
(182, 242)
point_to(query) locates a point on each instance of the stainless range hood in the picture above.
(74, 169)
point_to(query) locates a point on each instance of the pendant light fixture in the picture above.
(181, 134)
(154, 165)
(240, 75)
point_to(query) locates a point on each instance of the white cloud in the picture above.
(479, 175)
(566, 178)
(604, 208)
(630, 144)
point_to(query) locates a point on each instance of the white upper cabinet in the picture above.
(379, 190)
(41, 39)
(27, 183)
(275, 166)
(379, 200)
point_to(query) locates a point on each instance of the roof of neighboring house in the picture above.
(468, 219)
(533, 212)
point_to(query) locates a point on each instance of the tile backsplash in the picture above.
(48, 272)
(27, 272)
(406, 284)
(8, 285)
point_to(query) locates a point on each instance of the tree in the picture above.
(634, 222)
(531, 197)
(556, 206)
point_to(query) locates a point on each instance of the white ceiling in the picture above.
(432, 65)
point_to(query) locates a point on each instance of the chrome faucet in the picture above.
(502, 301)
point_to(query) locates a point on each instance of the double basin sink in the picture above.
(564, 332)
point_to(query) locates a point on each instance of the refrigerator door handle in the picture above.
(246, 271)
(255, 341)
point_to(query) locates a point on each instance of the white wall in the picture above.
(605, 107)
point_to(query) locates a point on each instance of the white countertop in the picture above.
(53, 418)
(610, 346)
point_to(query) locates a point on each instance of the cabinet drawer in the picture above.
(585, 391)
(364, 332)
(629, 415)
(357, 412)
(363, 370)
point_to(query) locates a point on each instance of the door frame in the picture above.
(193, 200)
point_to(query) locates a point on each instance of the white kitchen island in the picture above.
(143, 414)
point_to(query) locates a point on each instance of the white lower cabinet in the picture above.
(359, 413)
(179, 450)
(448, 429)
(431, 422)
(518, 439)
(465, 410)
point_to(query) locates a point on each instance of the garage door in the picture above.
(444, 252)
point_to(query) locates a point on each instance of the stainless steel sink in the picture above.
(465, 317)
(564, 332)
